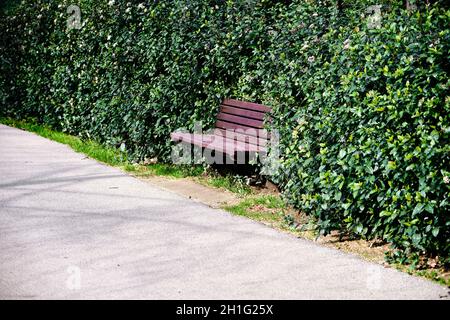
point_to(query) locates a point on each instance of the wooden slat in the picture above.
(233, 126)
(240, 120)
(229, 146)
(219, 143)
(249, 146)
(260, 140)
(246, 105)
(243, 112)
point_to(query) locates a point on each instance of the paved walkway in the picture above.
(73, 228)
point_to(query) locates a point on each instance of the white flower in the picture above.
(347, 44)
(311, 59)
(128, 10)
(446, 179)
(109, 37)
(111, 2)
(141, 6)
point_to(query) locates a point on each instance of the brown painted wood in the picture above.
(246, 144)
(217, 143)
(246, 105)
(233, 126)
(240, 120)
(243, 112)
(260, 139)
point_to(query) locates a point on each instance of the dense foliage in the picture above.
(362, 109)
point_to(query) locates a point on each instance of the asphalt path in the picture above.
(72, 228)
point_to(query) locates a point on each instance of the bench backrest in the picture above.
(245, 119)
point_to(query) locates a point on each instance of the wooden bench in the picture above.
(239, 128)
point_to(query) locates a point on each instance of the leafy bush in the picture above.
(362, 111)
(370, 146)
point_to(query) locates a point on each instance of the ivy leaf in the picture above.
(435, 232)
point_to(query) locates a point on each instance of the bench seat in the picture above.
(217, 143)
(239, 128)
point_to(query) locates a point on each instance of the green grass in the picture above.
(440, 276)
(244, 208)
(271, 210)
(163, 169)
(90, 148)
(234, 184)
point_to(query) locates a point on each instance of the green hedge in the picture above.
(363, 113)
